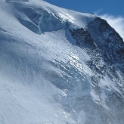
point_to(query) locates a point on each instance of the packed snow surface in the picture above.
(44, 78)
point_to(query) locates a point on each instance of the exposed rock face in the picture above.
(107, 39)
(106, 50)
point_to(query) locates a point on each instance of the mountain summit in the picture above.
(58, 66)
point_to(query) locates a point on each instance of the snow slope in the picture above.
(44, 76)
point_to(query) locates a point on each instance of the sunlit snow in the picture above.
(44, 78)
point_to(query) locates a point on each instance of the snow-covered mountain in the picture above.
(58, 66)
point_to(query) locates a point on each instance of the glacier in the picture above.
(58, 66)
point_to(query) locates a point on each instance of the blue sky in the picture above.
(112, 7)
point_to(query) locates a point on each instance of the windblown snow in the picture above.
(44, 77)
